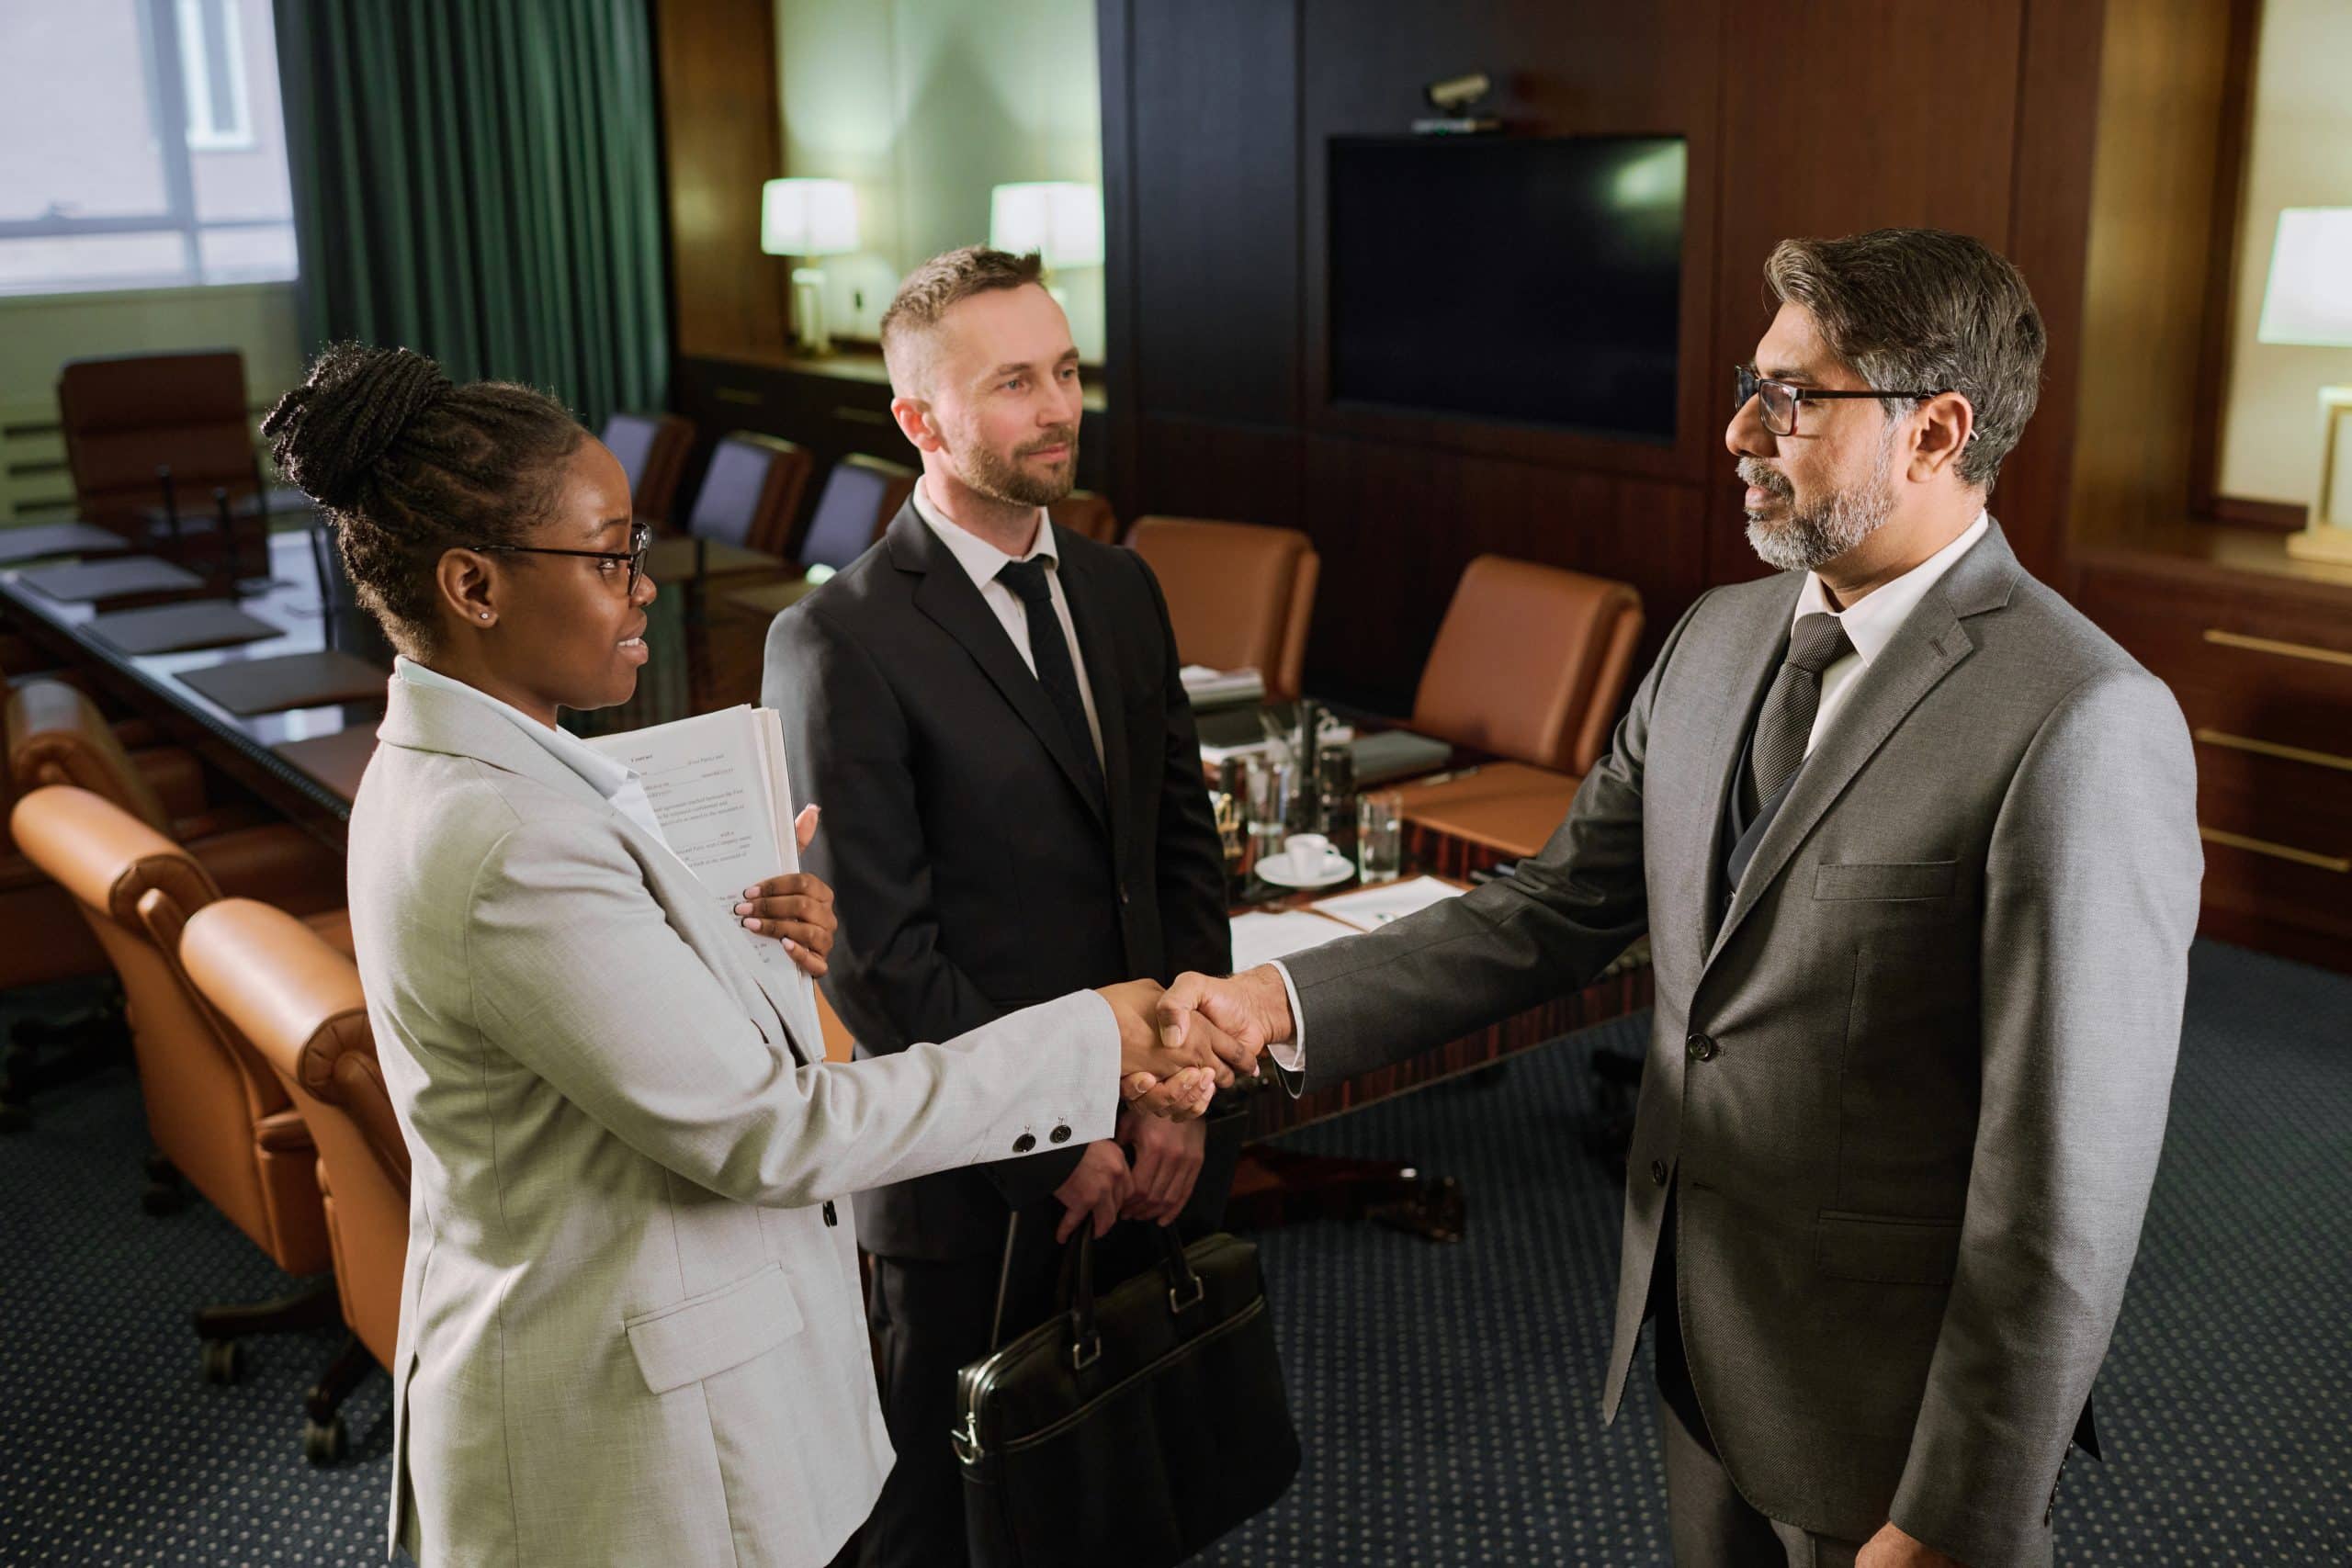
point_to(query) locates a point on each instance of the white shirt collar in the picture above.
(980, 559)
(603, 775)
(1872, 620)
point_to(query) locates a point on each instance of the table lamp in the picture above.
(2309, 302)
(1059, 219)
(808, 217)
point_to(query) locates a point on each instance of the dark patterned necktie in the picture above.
(1050, 651)
(1785, 725)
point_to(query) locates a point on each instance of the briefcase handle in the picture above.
(1185, 1290)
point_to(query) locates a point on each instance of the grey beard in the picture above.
(1812, 538)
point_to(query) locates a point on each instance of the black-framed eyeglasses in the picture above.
(641, 539)
(1781, 398)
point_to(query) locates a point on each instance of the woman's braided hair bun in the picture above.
(329, 434)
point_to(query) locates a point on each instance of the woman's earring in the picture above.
(485, 614)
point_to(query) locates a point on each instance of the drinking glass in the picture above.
(1380, 836)
(1270, 785)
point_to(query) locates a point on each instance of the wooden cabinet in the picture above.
(2260, 657)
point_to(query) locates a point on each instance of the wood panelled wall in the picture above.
(722, 136)
(1822, 118)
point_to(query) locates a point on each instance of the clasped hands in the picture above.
(1179, 1045)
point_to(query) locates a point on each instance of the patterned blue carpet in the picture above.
(1446, 1396)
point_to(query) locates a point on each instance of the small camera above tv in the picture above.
(1523, 280)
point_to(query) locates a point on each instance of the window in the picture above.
(141, 146)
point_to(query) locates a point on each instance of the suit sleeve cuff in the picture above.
(1291, 1055)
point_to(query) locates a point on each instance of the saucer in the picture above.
(1275, 870)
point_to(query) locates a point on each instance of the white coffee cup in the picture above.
(1311, 855)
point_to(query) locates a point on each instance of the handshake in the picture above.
(1180, 1044)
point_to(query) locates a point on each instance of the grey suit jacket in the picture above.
(631, 1330)
(1910, 1087)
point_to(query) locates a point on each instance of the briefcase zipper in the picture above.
(965, 1438)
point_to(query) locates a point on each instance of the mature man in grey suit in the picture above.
(1916, 850)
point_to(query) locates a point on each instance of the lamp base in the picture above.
(2322, 542)
(809, 334)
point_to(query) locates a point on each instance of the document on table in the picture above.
(720, 788)
(1260, 937)
(1371, 908)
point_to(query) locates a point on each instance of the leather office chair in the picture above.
(1088, 514)
(860, 497)
(296, 1000)
(1529, 663)
(56, 736)
(127, 416)
(1240, 596)
(219, 1116)
(750, 494)
(652, 449)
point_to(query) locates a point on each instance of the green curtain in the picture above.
(479, 180)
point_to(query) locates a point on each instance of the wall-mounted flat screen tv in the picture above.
(1533, 281)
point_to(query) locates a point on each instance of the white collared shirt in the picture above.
(620, 785)
(981, 561)
(1871, 623)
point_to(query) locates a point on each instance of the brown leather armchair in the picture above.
(1529, 663)
(296, 1000)
(1240, 596)
(126, 416)
(56, 736)
(217, 1114)
(652, 449)
(750, 493)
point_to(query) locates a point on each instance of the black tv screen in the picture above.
(1534, 281)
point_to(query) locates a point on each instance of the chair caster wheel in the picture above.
(224, 1361)
(328, 1444)
(162, 1199)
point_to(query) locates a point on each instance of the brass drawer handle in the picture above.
(2276, 851)
(2286, 649)
(737, 395)
(2273, 748)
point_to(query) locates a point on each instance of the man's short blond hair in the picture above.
(931, 292)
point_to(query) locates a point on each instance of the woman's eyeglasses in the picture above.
(609, 563)
(1781, 398)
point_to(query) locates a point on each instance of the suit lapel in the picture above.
(1759, 659)
(1082, 586)
(947, 595)
(1931, 645)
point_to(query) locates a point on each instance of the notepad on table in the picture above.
(1369, 909)
(1261, 936)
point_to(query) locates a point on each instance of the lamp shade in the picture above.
(807, 217)
(2310, 298)
(1060, 220)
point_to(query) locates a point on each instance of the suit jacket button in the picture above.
(1658, 1171)
(1023, 1144)
(1061, 1134)
(1701, 1049)
(1123, 893)
(831, 1218)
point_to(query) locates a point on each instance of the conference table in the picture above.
(305, 761)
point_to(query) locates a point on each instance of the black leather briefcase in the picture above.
(1133, 1428)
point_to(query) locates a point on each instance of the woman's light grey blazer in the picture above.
(631, 1330)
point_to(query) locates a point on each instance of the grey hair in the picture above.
(1919, 309)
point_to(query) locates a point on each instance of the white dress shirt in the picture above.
(1871, 623)
(981, 561)
(618, 783)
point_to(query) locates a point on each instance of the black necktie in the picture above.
(1785, 725)
(1050, 651)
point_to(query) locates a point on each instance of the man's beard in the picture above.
(1829, 528)
(1003, 478)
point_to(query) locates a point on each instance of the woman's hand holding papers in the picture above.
(797, 910)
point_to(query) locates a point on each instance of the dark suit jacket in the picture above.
(1908, 1091)
(973, 869)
